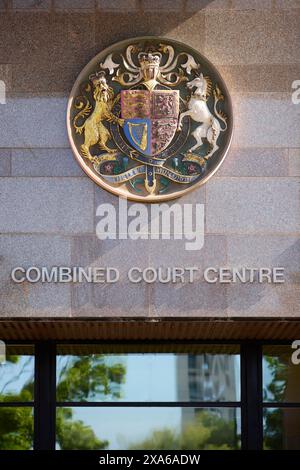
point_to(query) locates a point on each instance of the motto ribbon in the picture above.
(142, 169)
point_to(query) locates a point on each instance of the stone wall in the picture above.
(47, 204)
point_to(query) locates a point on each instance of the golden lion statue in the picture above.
(93, 127)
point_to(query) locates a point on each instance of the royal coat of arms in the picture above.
(149, 119)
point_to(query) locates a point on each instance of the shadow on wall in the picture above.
(269, 298)
(47, 46)
(163, 17)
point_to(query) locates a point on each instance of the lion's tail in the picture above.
(84, 111)
(219, 97)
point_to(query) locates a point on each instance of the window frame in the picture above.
(251, 386)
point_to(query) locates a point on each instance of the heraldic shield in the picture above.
(150, 119)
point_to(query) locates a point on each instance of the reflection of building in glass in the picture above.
(209, 378)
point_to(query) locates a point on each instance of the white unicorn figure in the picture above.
(199, 112)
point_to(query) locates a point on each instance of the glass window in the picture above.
(17, 374)
(153, 428)
(282, 428)
(16, 388)
(281, 379)
(16, 428)
(147, 374)
(281, 384)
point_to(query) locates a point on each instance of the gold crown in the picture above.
(149, 58)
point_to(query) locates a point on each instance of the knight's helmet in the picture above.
(149, 63)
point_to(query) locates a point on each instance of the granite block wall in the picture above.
(48, 205)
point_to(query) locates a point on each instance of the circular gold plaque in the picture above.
(149, 119)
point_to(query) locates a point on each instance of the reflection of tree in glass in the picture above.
(276, 389)
(206, 432)
(83, 378)
(80, 379)
(273, 435)
(72, 434)
(16, 424)
(277, 368)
